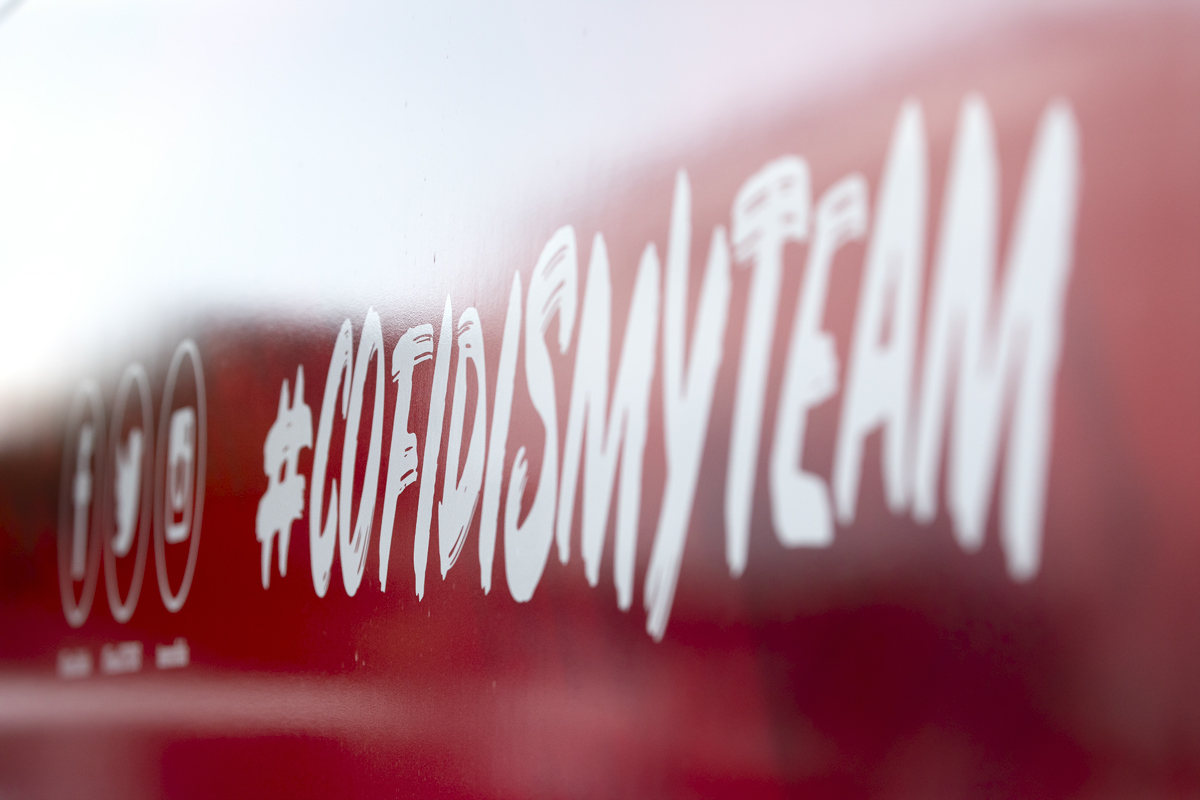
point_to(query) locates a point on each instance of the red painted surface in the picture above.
(891, 663)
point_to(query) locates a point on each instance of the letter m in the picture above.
(1007, 353)
(622, 430)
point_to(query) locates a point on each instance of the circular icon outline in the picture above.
(122, 611)
(175, 600)
(75, 611)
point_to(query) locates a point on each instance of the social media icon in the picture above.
(81, 500)
(179, 477)
(126, 523)
(127, 491)
(79, 504)
(181, 464)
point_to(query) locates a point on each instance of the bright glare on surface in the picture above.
(159, 158)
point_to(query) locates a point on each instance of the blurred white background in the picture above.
(157, 157)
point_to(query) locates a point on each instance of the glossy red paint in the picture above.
(891, 663)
